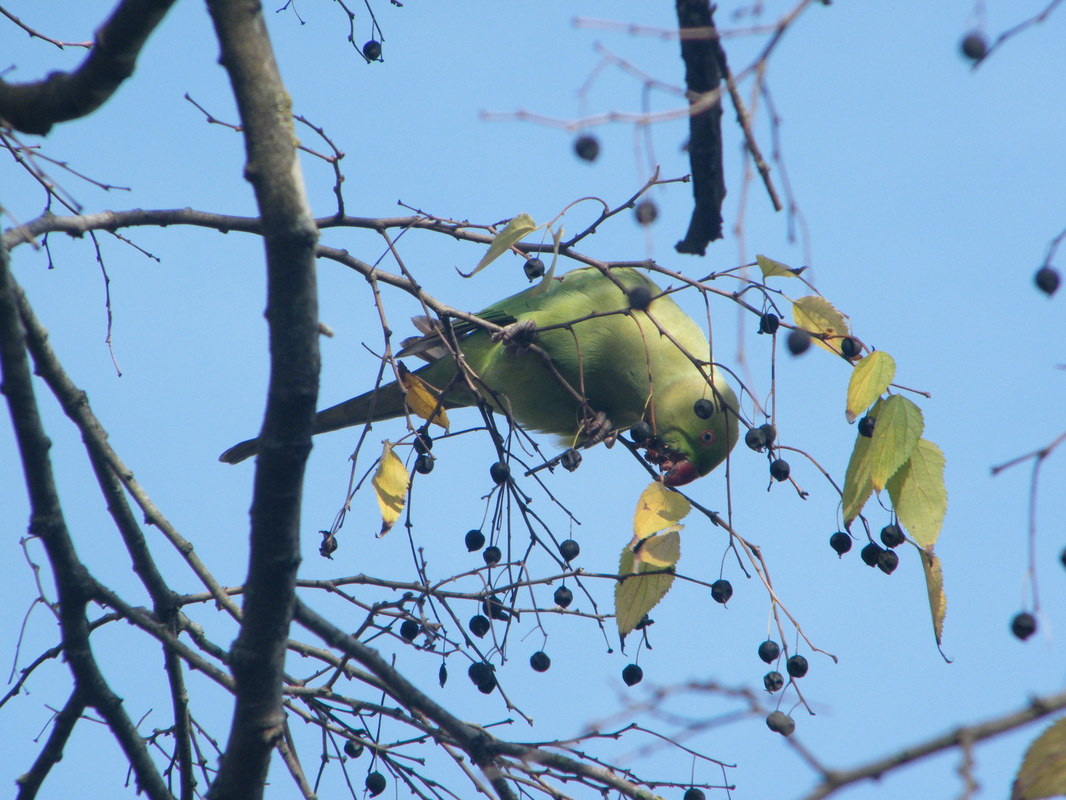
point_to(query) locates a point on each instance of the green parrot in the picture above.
(626, 369)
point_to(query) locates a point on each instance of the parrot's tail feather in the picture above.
(385, 403)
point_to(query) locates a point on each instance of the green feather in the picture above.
(614, 355)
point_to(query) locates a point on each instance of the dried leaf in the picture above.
(390, 484)
(421, 399)
(658, 508)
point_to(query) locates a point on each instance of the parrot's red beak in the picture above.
(679, 474)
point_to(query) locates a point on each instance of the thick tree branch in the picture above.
(62, 96)
(702, 75)
(73, 583)
(290, 235)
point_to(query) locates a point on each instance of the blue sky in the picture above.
(929, 192)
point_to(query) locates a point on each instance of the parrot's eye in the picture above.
(707, 437)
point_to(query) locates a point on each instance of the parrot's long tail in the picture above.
(385, 403)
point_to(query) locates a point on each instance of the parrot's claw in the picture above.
(517, 337)
(596, 427)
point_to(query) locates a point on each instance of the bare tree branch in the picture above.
(62, 96)
(289, 233)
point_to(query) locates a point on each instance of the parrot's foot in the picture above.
(595, 428)
(517, 337)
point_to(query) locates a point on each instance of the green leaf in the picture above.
(869, 380)
(918, 494)
(637, 594)
(1043, 770)
(857, 484)
(770, 268)
(512, 234)
(934, 583)
(899, 426)
(816, 315)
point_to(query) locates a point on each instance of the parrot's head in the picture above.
(694, 432)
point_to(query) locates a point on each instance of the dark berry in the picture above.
(796, 666)
(375, 783)
(646, 211)
(571, 460)
(773, 681)
(372, 52)
(840, 542)
(1023, 625)
(587, 147)
(442, 675)
(499, 472)
(769, 651)
(974, 46)
(640, 298)
(409, 629)
(694, 794)
(866, 426)
(424, 464)
(632, 674)
(534, 268)
(798, 342)
(1047, 280)
(721, 590)
(493, 607)
(423, 443)
(569, 549)
(703, 408)
(479, 625)
(779, 470)
(353, 749)
(755, 439)
(540, 661)
(887, 561)
(492, 555)
(870, 553)
(482, 675)
(780, 722)
(891, 536)
(563, 597)
(475, 540)
(769, 433)
(640, 432)
(768, 323)
(849, 348)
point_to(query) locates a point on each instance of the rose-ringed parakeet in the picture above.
(626, 369)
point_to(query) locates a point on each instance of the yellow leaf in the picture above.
(918, 494)
(816, 315)
(390, 484)
(518, 227)
(658, 508)
(421, 399)
(857, 484)
(660, 550)
(934, 582)
(637, 594)
(770, 268)
(869, 380)
(1043, 770)
(899, 426)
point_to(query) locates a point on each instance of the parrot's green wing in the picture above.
(627, 364)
